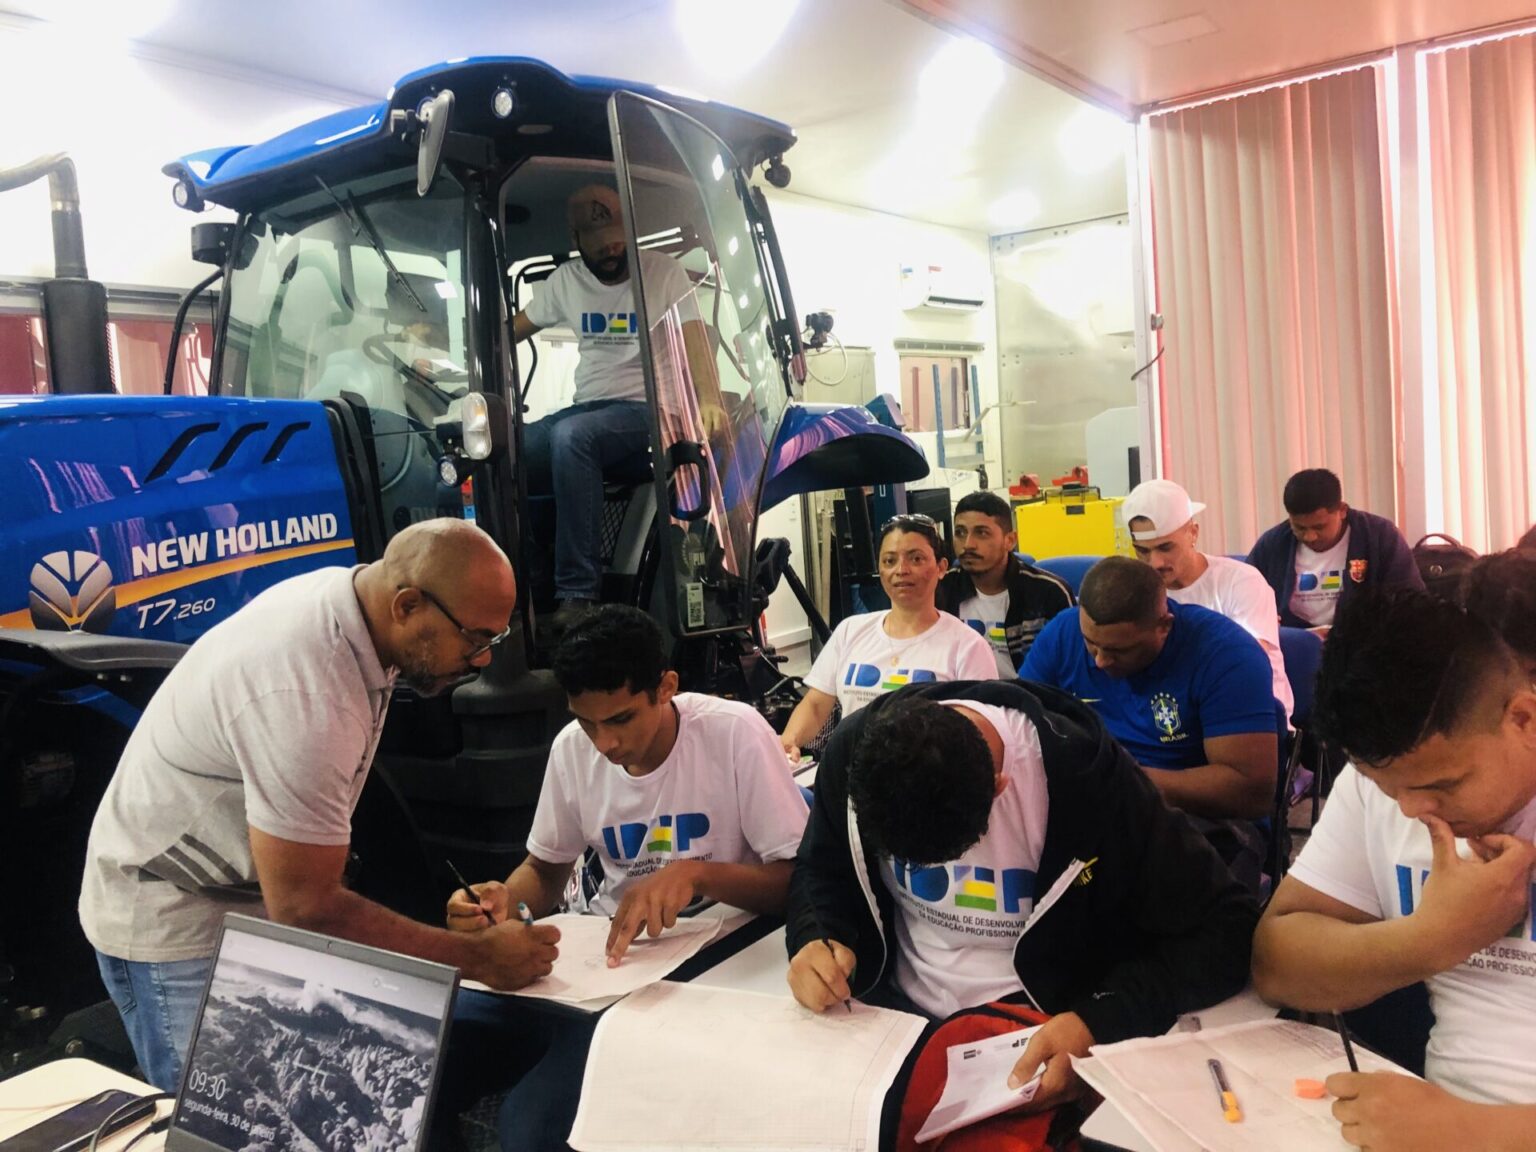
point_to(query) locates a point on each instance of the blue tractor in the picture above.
(364, 377)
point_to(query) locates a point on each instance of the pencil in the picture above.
(464, 884)
(1349, 1049)
(1229, 1107)
(825, 939)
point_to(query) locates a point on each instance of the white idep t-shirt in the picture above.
(1240, 593)
(861, 661)
(985, 615)
(957, 923)
(1367, 854)
(605, 322)
(723, 794)
(1319, 577)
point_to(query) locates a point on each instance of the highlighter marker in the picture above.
(1230, 1111)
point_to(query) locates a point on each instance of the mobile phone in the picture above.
(72, 1129)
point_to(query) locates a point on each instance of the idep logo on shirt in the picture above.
(967, 886)
(1410, 888)
(609, 323)
(1331, 581)
(664, 834)
(994, 634)
(870, 676)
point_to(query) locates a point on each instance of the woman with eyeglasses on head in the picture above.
(911, 642)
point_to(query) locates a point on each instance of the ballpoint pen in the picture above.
(1349, 1049)
(470, 892)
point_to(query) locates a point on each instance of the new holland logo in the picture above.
(72, 592)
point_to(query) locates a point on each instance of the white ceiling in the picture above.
(1138, 52)
(844, 74)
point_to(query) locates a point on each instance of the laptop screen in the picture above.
(307, 1042)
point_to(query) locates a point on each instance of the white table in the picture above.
(1108, 1124)
(34, 1096)
(762, 966)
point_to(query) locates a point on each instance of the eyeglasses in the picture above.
(909, 520)
(474, 636)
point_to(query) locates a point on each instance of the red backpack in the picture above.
(1053, 1131)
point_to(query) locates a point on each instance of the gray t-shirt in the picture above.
(269, 720)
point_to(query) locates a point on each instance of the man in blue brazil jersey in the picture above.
(1186, 691)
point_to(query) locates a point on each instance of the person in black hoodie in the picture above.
(991, 589)
(977, 841)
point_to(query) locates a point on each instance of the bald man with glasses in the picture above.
(236, 789)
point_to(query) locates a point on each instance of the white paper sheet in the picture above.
(676, 1067)
(976, 1083)
(1262, 1061)
(581, 975)
(1147, 1122)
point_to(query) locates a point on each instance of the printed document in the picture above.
(581, 974)
(677, 1067)
(1168, 1076)
(976, 1083)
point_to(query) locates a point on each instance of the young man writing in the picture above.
(1185, 691)
(1165, 534)
(980, 841)
(1421, 866)
(682, 797)
(1324, 552)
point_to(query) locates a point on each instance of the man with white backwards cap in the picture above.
(1161, 519)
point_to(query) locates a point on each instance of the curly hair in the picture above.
(922, 782)
(614, 647)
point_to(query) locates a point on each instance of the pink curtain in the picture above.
(1270, 225)
(1480, 105)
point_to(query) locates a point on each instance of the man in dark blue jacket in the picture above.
(983, 840)
(1325, 550)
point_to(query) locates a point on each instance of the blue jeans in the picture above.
(567, 453)
(158, 1003)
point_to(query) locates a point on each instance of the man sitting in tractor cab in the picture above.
(607, 427)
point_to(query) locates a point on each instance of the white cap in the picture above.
(1164, 503)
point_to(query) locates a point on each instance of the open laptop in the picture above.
(305, 1042)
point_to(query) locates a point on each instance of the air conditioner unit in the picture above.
(934, 286)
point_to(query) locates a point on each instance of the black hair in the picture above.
(988, 504)
(921, 525)
(614, 647)
(1312, 490)
(1400, 666)
(1500, 590)
(1120, 590)
(922, 782)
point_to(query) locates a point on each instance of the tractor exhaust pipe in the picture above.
(74, 306)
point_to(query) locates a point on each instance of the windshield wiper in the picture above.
(363, 226)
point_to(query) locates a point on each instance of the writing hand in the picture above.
(1387, 1112)
(464, 916)
(819, 974)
